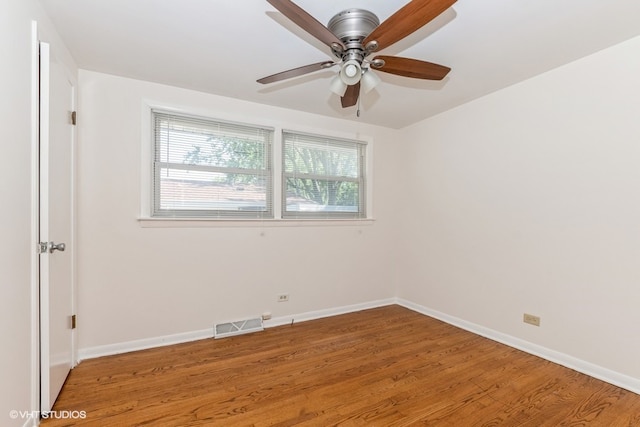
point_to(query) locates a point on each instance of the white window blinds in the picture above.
(322, 177)
(209, 168)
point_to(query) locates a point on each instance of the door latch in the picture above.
(56, 247)
(51, 246)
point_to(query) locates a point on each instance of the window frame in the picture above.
(361, 179)
(156, 212)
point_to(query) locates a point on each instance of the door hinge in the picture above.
(73, 321)
(74, 118)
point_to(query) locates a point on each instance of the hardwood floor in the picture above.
(387, 366)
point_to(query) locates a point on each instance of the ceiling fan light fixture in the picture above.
(351, 72)
(337, 86)
(369, 80)
(353, 35)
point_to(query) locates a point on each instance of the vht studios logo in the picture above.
(48, 415)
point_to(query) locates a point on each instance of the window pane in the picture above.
(201, 145)
(317, 195)
(208, 168)
(186, 190)
(322, 177)
(317, 159)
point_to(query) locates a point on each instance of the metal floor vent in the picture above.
(221, 330)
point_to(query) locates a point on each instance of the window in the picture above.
(322, 177)
(208, 168)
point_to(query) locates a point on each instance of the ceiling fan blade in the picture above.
(405, 21)
(305, 21)
(413, 68)
(295, 72)
(350, 98)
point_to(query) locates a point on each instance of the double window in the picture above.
(204, 168)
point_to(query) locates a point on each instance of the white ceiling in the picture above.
(223, 46)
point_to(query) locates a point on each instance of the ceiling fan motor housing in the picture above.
(351, 26)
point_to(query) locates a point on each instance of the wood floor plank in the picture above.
(385, 367)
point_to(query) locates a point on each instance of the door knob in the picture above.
(56, 247)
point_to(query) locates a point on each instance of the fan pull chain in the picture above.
(358, 110)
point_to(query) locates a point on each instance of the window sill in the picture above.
(146, 222)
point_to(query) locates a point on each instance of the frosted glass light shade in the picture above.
(369, 81)
(337, 86)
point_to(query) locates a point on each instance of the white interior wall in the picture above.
(19, 378)
(15, 255)
(138, 282)
(528, 200)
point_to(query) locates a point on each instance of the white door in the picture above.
(56, 229)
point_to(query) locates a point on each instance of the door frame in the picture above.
(35, 385)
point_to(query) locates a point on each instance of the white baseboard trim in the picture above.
(143, 344)
(612, 377)
(146, 343)
(319, 314)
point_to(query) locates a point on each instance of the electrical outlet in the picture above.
(531, 319)
(283, 297)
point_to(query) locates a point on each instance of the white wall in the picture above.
(15, 191)
(528, 200)
(18, 244)
(137, 283)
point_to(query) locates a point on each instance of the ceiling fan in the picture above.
(355, 34)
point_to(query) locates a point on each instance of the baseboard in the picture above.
(143, 344)
(612, 377)
(319, 314)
